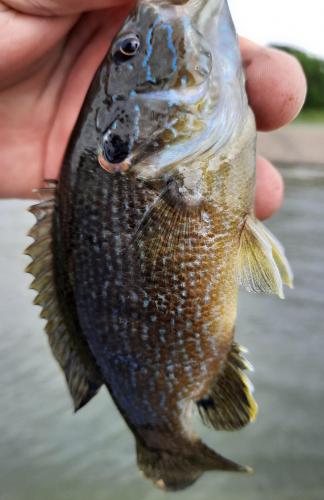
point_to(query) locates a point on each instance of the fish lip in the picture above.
(115, 146)
(113, 168)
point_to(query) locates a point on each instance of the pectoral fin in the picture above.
(262, 264)
(165, 228)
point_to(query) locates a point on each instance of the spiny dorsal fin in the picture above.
(262, 264)
(80, 371)
(230, 404)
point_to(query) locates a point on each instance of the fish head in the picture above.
(156, 83)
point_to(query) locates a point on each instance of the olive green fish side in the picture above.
(138, 315)
(143, 314)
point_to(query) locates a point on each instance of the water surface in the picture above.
(46, 452)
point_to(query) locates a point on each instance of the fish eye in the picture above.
(126, 48)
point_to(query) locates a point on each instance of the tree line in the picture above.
(314, 71)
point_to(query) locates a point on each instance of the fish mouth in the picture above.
(116, 145)
(111, 167)
(114, 152)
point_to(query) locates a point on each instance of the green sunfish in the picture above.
(141, 246)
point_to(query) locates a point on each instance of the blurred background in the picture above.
(297, 28)
(47, 452)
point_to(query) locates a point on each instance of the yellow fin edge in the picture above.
(262, 263)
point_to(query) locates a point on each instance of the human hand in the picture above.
(276, 87)
(49, 52)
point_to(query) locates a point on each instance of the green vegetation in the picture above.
(314, 70)
(311, 116)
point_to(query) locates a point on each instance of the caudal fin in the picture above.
(177, 469)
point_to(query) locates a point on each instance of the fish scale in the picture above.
(97, 317)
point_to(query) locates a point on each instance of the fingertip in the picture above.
(269, 189)
(276, 85)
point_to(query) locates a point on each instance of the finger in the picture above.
(276, 85)
(269, 189)
(61, 7)
(21, 53)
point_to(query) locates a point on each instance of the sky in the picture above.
(299, 23)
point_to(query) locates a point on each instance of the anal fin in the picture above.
(66, 341)
(230, 404)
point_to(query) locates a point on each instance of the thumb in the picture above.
(61, 7)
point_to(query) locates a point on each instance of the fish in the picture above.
(140, 247)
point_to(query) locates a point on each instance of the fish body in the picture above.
(138, 257)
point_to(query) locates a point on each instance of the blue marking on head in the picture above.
(149, 51)
(186, 22)
(171, 46)
(147, 58)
